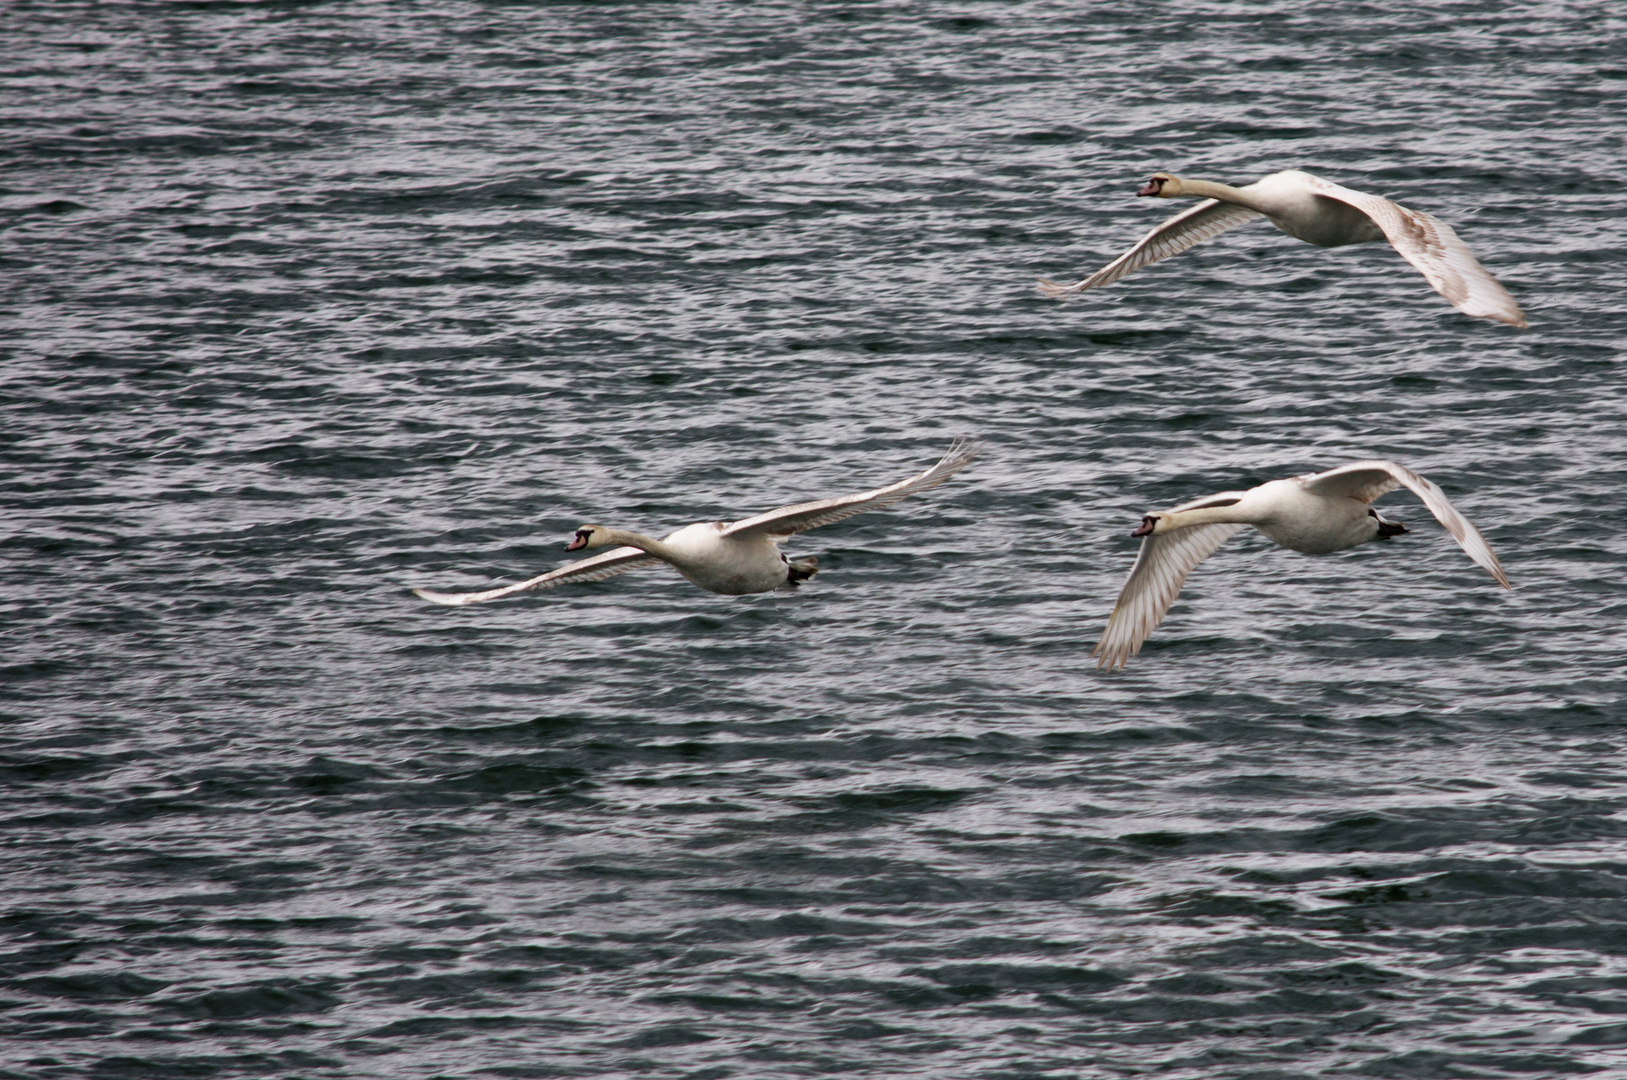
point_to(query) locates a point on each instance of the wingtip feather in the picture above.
(448, 599)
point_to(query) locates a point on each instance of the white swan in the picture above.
(1318, 212)
(1316, 513)
(733, 558)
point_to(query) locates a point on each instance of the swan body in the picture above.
(728, 557)
(1317, 513)
(1318, 212)
(706, 554)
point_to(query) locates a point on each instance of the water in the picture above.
(307, 304)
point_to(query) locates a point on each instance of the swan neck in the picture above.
(625, 538)
(1236, 514)
(1209, 189)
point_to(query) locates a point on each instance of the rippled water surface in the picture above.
(306, 304)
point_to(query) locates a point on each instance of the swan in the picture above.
(1318, 212)
(729, 557)
(1316, 513)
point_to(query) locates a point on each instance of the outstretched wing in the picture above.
(1202, 222)
(1431, 246)
(1153, 584)
(1367, 480)
(788, 520)
(606, 564)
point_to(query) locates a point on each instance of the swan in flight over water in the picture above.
(1318, 212)
(1316, 513)
(730, 557)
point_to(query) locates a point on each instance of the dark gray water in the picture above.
(304, 304)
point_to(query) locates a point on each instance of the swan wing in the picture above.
(1206, 220)
(1363, 480)
(797, 517)
(1154, 582)
(606, 564)
(1430, 245)
(1367, 480)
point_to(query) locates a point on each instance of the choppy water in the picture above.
(308, 303)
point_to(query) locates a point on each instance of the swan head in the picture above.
(589, 536)
(1162, 185)
(1149, 525)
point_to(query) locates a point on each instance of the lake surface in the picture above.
(307, 304)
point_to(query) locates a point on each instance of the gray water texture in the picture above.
(306, 304)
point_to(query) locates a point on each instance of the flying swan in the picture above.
(1316, 513)
(729, 557)
(1318, 212)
